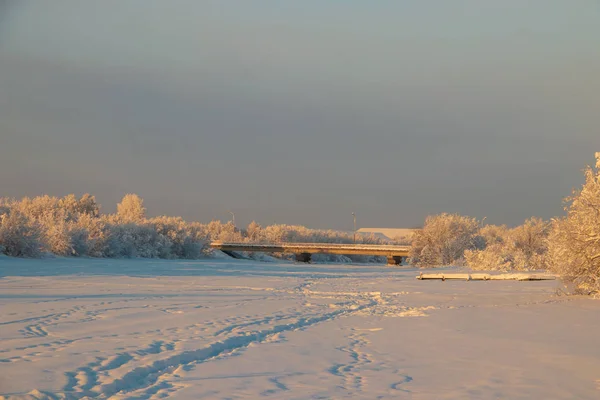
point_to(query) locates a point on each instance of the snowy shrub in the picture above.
(403, 240)
(443, 240)
(495, 257)
(40, 209)
(187, 241)
(70, 226)
(522, 248)
(57, 238)
(574, 242)
(495, 254)
(254, 232)
(229, 233)
(218, 231)
(161, 237)
(493, 234)
(18, 238)
(131, 209)
(88, 235)
(79, 240)
(136, 240)
(530, 242)
(301, 234)
(75, 208)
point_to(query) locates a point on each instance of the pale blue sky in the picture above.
(302, 112)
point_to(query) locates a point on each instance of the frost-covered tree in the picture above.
(521, 248)
(87, 205)
(75, 207)
(131, 208)
(58, 238)
(574, 243)
(443, 240)
(88, 235)
(229, 233)
(136, 240)
(218, 231)
(302, 234)
(18, 238)
(254, 231)
(493, 234)
(187, 240)
(531, 244)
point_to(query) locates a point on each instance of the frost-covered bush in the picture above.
(75, 207)
(187, 240)
(136, 240)
(403, 240)
(70, 226)
(443, 240)
(88, 235)
(131, 209)
(574, 243)
(160, 237)
(301, 234)
(18, 238)
(254, 232)
(62, 223)
(220, 232)
(530, 241)
(491, 234)
(522, 248)
(57, 238)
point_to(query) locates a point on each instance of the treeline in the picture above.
(569, 245)
(71, 226)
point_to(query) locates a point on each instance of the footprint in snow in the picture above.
(398, 385)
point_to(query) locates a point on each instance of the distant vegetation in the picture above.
(451, 239)
(72, 226)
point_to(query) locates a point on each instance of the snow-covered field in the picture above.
(140, 329)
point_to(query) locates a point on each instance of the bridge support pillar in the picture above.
(304, 257)
(394, 260)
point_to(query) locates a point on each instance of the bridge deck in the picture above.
(311, 248)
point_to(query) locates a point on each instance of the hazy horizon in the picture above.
(302, 113)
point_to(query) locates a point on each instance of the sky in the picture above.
(302, 112)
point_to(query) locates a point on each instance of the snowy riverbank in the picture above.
(244, 329)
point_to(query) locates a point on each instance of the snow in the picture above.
(222, 328)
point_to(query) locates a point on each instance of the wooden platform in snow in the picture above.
(487, 276)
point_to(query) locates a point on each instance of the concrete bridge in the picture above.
(303, 251)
